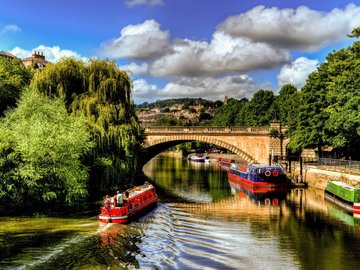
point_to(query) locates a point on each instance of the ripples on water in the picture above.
(209, 226)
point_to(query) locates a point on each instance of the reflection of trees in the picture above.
(313, 236)
(119, 246)
(194, 180)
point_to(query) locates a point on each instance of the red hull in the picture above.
(139, 199)
(259, 189)
(256, 185)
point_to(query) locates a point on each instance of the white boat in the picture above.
(202, 158)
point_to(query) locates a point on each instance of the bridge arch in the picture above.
(157, 146)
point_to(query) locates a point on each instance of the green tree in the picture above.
(343, 96)
(13, 78)
(102, 93)
(329, 110)
(308, 131)
(260, 110)
(355, 33)
(226, 115)
(167, 121)
(287, 104)
(41, 148)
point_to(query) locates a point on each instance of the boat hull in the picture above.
(345, 196)
(258, 176)
(134, 205)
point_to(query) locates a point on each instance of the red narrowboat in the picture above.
(134, 200)
(258, 176)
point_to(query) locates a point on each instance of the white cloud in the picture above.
(300, 28)
(223, 55)
(208, 88)
(136, 69)
(132, 3)
(144, 90)
(52, 54)
(10, 28)
(141, 41)
(297, 72)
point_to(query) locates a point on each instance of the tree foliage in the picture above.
(102, 93)
(226, 115)
(329, 112)
(13, 78)
(41, 148)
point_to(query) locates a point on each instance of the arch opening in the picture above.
(157, 146)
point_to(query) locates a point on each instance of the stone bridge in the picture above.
(251, 144)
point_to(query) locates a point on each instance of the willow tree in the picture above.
(14, 76)
(101, 92)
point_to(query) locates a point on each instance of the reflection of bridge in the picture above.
(252, 144)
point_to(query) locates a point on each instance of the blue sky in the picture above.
(187, 48)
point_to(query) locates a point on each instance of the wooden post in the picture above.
(301, 168)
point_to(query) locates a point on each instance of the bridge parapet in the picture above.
(207, 130)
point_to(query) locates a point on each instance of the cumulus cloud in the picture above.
(297, 72)
(144, 90)
(141, 41)
(52, 54)
(210, 88)
(223, 55)
(132, 3)
(300, 28)
(136, 69)
(10, 28)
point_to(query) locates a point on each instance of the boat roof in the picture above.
(342, 184)
(265, 166)
(139, 189)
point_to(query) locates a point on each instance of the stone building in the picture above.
(37, 60)
(7, 55)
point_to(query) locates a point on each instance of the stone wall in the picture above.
(318, 178)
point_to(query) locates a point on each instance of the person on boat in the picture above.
(113, 201)
(119, 198)
(107, 202)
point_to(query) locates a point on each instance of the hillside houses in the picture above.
(184, 114)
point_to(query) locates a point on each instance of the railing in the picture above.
(328, 164)
(206, 129)
(339, 164)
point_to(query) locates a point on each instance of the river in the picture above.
(200, 222)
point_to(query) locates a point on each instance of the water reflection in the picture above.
(201, 222)
(260, 196)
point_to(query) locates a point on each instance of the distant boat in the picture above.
(225, 161)
(136, 199)
(199, 158)
(344, 195)
(258, 176)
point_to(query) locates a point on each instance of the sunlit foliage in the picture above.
(13, 78)
(102, 93)
(41, 147)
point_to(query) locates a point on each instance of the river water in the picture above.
(201, 222)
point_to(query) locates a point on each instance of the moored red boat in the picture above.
(258, 176)
(135, 200)
(225, 161)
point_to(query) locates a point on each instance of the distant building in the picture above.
(7, 55)
(37, 60)
(225, 100)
